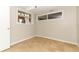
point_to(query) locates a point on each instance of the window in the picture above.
(50, 16)
(54, 15)
(23, 17)
(44, 17)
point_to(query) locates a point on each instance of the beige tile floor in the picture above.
(39, 44)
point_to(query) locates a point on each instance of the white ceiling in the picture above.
(39, 9)
(43, 9)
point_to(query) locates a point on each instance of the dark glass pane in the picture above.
(54, 15)
(44, 17)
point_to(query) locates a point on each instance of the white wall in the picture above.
(63, 28)
(4, 25)
(20, 31)
(78, 25)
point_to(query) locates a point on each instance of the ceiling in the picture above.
(42, 9)
(39, 9)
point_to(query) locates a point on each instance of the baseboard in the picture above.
(4, 49)
(58, 40)
(21, 40)
(44, 37)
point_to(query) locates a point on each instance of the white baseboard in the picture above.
(43, 37)
(21, 40)
(58, 40)
(2, 50)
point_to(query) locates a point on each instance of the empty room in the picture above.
(40, 29)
